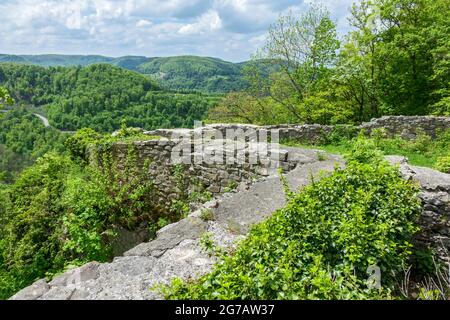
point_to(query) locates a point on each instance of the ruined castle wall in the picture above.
(406, 126)
(216, 167)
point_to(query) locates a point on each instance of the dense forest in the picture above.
(395, 61)
(100, 96)
(23, 139)
(196, 73)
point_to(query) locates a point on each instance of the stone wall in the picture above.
(217, 167)
(214, 166)
(435, 196)
(435, 221)
(311, 133)
(206, 152)
(406, 126)
(212, 160)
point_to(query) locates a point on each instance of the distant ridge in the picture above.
(54, 60)
(205, 74)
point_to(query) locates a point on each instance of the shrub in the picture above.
(5, 97)
(31, 230)
(378, 135)
(78, 144)
(443, 164)
(341, 133)
(321, 156)
(321, 244)
(364, 151)
(421, 143)
(207, 214)
(60, 213)
(100, 199)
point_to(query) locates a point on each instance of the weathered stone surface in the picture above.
(176, 251)
(58, 293)
(86, 272)
(435, 196)
(189, 228)
(33, 292)
(127, 239)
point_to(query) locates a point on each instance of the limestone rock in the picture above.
(33, 292)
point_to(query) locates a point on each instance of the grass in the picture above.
(424, 151)
(415, 159)
(137, 137)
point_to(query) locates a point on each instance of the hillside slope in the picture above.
(99, 96)
(195, 73)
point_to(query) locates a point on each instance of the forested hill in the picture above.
(100, 96)
(182, 73)
(195, 73)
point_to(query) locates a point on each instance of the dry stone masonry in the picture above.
(407, 126)
(435, 196)
(204, 168)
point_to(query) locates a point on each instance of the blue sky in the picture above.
(228, 29)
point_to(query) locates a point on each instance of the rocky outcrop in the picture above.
(177, 252)
(435, 196)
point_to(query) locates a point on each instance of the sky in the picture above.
(228, 29)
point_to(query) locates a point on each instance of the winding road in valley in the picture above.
(41, 117)
(47, 123)
(44, 119)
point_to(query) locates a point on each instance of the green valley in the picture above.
(100, 96)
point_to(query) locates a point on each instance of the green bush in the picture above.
(61, 213)
(78, 144)
(341, 133)
(98, 200)
(5, 97)
(31, 230)
(364, 151)
(443, 164)
(320, 245)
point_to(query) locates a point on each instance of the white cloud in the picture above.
(143, 23)
(207, 22)
(230, 29)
